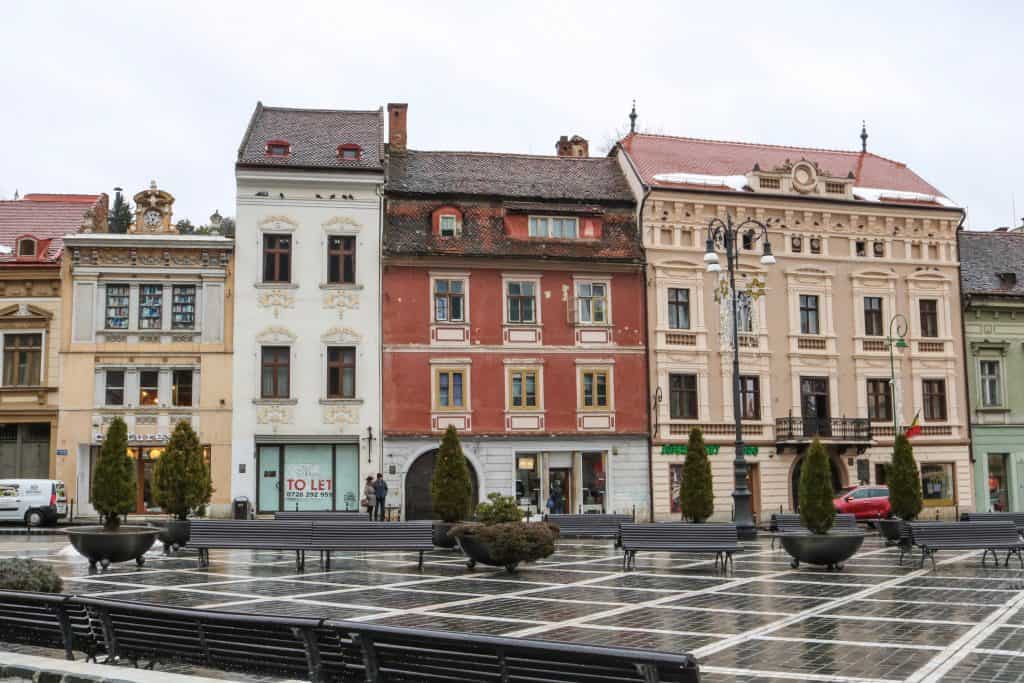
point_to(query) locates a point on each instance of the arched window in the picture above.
(26, 247)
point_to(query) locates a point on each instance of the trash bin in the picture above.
(242, 507)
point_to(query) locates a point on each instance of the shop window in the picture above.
(149, 387)
(592, 302)
(593, 481)
(308, 477)
(181, 388)
(151, 307)
(873, 316)
(929, 309)
(682, 397)
(341, 259)
(341, 372)
(991, 380)
(183, 307)
(678, 308)
(277, 258)
(594, 389)
(117, 307)
(879, 400)
(276, 369)
(553, 227)
(808, 314)
(998, 482)
(23, 357)
(521, 301)
(675, 482)
(114, 390)
(750, 398)
(934, 391)
(528, 481)
(523, 387)
(937, 483)
(450, 387)
(449, 301)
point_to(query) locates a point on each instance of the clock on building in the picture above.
(152, 218)
(153, 211)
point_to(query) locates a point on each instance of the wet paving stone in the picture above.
(478, 586)
(914, 610)
(993, 583)
(690, 620)
(665, 642)
(171, 597)
(295, 608)
(979, 667)
(785, 604)
(437, 622)
(598, 593)
(665, 583)
(864, 630)
(946, 596)
(265, 588)
(808, 589)
(523, 608)
(389, 598)
(1005, 638)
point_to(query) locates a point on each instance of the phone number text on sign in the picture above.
(305, 481)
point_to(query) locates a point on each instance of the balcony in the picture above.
(800, 431)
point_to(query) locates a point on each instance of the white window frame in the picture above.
(999, 379)
(462, 277)
(444, 217)
(605, 282)
(535, 222)
(507, 279)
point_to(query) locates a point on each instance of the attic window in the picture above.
(554, 227)
(279, 148)
(26, 247)
(835, 188)
(770, 184)
(350, 152)
(1007, 280)
(448, 225)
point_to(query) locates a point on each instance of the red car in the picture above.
(866, 502)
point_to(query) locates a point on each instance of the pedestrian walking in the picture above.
(380, 494)
(369, 497)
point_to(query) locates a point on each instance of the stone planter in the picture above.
(98, 545)
(891, 530)
(829, 550)
(441, 537)
(478, 551)
(175, 534)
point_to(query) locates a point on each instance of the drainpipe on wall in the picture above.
(963, 343)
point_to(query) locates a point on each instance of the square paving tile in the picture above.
(979, 667)
(867, 631)
(665, 583)
(522, 608)
(388, 598)
(822, 659)
(293, 608)
(437, 622)
(914, 610)
(810, 590)
(480, 586)
(946, 596)
(171, 597)
(647, 640)
(787, 604)
(694, 621)
(1005, 638)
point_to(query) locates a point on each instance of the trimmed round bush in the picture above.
(17, 574)
(498, 509)
(512, 542)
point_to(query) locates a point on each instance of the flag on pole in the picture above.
(915, 427)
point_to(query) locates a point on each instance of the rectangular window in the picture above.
(181, 388)
(595, 389)
(450, 390)
(675, 482)
(592, 302)
(937, 483)
(934, 391)
(523, 389)
(879, 400)
(117, 307)
(447, 225)
(808, 314)
(183, 307)
(23, 356)
(678, 308)
(341, 372)
(449, 299)
(277, 258)
(873, 316)
(151, 307)
(341, 259)
(521, 298)
(744, 313)
(750, 398)
(115, 388)
(929, 317)
(682, 397)
(553, 227)
(149, 387)
(991, 378)
(276, 371)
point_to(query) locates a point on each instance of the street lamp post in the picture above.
(895, 342)
(723, 234)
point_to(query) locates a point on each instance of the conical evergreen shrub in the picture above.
(181, 477)
(904, 481)
(113, 479)
(817, 511)
(451, 488)
(696, 492)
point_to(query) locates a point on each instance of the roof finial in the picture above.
(632, 118)
(863, 136)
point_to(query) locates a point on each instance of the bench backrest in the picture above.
(321, 515)
(371, 535)
(35, 619)
(569, 525)
(679, 533)
(980, 533)
(259, 533)
(1015, 517)
(789, 522)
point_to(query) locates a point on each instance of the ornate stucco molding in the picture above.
(341, 222)
(277, 222)
(341, 335)
(341, 300)
(276, 299)
(275, 415)
(276, 335)
(341, 415)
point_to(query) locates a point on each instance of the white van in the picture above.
(33, 501)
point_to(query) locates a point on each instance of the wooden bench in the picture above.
(720, 539)
(321, 516)
(48, 620)
(329, 537)
(789, 523)
(590, 526)
(991, 537)
(1016, 517)
(244, 534)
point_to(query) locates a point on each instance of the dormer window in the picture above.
(350, 152)
(448, 225)
(279, 148)
(1007, 280)
(554, 227)
(26, 247)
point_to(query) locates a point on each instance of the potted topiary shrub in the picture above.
(501, 539)
(450, 489)
(181, 484)
(113, 495)
(696, 496)
(18, 574)
(905, 499)
(819, 545)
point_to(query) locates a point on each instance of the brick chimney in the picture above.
(572, 147)
(396, 127)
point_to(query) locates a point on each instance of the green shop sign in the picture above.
(680, 449)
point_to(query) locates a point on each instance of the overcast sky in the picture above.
(103, 94)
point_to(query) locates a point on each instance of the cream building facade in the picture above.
(146, 335)
(858, 239)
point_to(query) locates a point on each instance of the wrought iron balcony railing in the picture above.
(852, 429)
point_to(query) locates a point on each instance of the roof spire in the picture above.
(863, 136)
(632, 118)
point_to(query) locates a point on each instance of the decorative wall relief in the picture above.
(276, 335)
(276, 299)
(275, 415)
(276, 222)
(346, 221)
(341, 300)
(341, 335)
(341, 415)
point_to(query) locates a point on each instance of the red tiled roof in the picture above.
(45, 217)
(654, 154)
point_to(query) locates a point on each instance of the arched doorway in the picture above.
(418, 504)
(838, 478)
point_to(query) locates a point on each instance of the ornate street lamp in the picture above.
(723, 234)
(895, 342)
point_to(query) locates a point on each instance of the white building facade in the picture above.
(307, 357)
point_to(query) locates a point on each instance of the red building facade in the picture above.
(513, 309)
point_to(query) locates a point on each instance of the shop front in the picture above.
(564, 482)
(307, 477)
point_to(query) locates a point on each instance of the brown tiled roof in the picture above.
(984, 255)
(45, 217)
(656, 154)
(314, 136)
(511, 176)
